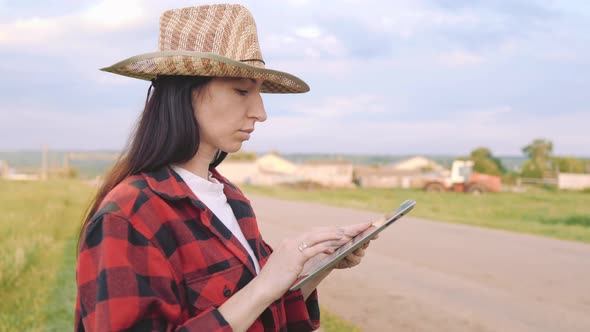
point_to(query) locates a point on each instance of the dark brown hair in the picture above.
(167, 132)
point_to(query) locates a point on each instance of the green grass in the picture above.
(40, 221)
(59, 310)
(563, 215)
(38, 224)
(38, 232)
(333, 323)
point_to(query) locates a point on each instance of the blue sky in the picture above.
(386, 77)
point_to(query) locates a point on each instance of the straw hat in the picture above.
(211, 40)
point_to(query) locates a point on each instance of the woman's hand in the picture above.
(286, 262)
(355, 257)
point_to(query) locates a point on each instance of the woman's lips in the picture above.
(246, 133)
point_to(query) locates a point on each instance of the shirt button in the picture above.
(226, 292)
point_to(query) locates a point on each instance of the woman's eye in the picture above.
(242, 92)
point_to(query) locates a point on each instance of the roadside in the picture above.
(431, 276)
(562, 215)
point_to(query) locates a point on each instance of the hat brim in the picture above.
(150, 65)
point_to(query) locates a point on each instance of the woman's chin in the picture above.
(232, 148)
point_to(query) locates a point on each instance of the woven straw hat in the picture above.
(211, 40)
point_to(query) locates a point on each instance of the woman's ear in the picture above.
(198, 94)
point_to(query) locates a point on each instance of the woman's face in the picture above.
(227, 110)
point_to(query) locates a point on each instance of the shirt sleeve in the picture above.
(125, 282)
(302, 315)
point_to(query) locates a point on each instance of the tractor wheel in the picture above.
(434, 188)
(476, 189)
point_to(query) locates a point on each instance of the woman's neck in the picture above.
(199, 163)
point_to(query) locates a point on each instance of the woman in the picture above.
(171, 245)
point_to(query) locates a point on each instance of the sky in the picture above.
(387, 76)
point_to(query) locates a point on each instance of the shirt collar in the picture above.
(168, 184)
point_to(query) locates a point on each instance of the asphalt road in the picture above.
(422, 275)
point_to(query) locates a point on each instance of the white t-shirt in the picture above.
(210, 192)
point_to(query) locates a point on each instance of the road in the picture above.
(422, 275)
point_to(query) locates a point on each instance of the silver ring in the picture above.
(302, 246)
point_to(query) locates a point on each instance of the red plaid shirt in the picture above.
(155, 258)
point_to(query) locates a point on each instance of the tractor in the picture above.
(463, 179)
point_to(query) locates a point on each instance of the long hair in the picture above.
(167, 132)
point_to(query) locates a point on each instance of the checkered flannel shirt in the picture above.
(155, 258)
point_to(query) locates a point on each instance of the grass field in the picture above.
(563, 215)
(37, 253)
(38, 231)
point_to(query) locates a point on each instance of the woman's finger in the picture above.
(316, 250)
(311, 239)
(321, 229)
(352, 260)
(353, 230)
(360, 252)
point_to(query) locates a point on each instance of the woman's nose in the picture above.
(257, 110)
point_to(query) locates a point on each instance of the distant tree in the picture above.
(242, 156)
(540, 162)
(539, 149)
(485, 162)
(531, 169)
(72, 173)
(569, 164)
(481, 153)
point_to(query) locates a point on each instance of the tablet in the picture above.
(318, 266)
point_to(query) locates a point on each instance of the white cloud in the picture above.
(494, 111)
(460, 58)
(81, 42)
(297, 3)
(30, 31)
(407, 18)
(114, 14)
(102, 77)
(341, 68)
(496, 127)
(339, 106)
(73, 30)
(314, 42)
(308, 32)
(446, 57)
(36, 126)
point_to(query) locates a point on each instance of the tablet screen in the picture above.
(319, 265)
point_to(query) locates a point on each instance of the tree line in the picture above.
(541, 162)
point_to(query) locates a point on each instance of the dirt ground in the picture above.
(431, 276)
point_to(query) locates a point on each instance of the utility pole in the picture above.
(3, 169)
(44, 163)
(66, 163)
